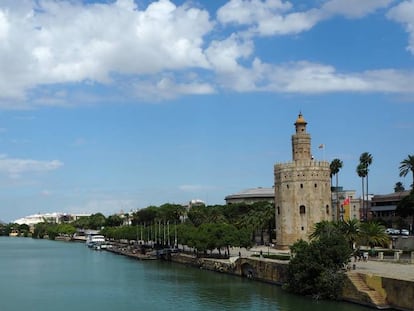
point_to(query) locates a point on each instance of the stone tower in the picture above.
(302, 191)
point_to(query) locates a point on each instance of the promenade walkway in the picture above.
(400, 271)
(393, 270)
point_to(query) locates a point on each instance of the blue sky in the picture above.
(118, 105)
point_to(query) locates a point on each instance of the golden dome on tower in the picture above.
(300, 120)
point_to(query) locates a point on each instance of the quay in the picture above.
(373, 283)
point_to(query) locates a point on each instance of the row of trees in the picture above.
(203, 228)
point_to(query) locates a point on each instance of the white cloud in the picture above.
(308, 77)
(277, 17)
(353, 8)
(52, 42)
(404, 14)
(168, 87)
(161, 52)
(249, 12)
(45, 193)
(16, 167)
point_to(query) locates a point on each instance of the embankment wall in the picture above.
(399, 293)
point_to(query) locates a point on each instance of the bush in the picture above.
(317, 267)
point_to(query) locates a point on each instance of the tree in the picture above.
(365, 160)
(114, 221)
(406, 166)
(399, 187)
(145, 215)
(373, 234)
(96, 221)
(335, 167)
(362, 172)
(350, 229)
(324, 228)
(405, 207)
(316, 268)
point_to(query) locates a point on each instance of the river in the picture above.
(61, 276)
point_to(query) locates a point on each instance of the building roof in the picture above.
(395, 196)
(253, 193)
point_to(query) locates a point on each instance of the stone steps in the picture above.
(376, 299)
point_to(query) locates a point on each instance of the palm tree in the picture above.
(350, 229)
(324, 228)
(399, 187)
(362, 172)
(366, 160)
(406, 166)
(335, 167)
(373, 234)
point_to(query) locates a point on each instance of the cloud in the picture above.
(57, 53)
(353, 8)
(16, 167)
(308, 77)
(277, 17)
(55, 42)
(404, 13)
(167, 86)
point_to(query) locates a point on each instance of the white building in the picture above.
(56, 218)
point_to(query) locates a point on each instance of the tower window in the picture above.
(287, 186)
(327, 209)
(301, 186)
(278, 210)
(303, 228)
(316, 185)
(302, 209)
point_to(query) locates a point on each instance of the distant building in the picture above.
(302, 191)
(250, 196)
(383, 207)
(56, 218)
(345, 205)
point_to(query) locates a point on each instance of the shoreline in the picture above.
(364, 285)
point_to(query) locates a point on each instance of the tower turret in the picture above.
(301, 141)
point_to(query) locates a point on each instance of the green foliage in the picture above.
(113, 221)
(405, 207)
(121, 232)
(52, 230)
(95, 222)
(406, 166)
(210, 236)
(372, 234)
(316, 268)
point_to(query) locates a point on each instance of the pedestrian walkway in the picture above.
(394, 270)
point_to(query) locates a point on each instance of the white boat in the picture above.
(94, 240)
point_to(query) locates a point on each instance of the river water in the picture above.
(60, 276)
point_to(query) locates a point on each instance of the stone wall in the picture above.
(399, 293)
(270, 271)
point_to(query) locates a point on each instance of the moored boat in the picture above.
(94, 240)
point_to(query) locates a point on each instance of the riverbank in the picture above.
(381, 285)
